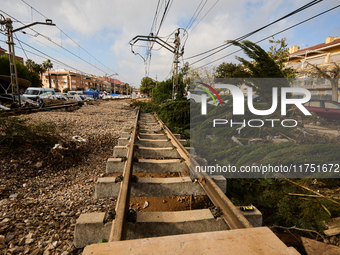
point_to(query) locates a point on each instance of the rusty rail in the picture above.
(118, 229)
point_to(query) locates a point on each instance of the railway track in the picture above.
(159, 197)
(59, 107)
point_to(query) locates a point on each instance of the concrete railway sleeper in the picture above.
(157, 196)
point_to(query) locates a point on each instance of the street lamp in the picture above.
(6, 25)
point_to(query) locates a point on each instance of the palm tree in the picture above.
(30, 65)
(48, 65)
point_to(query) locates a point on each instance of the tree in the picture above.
(66, 90)
(23, 71)
(230, 70)
(48, 65)
(30, 65)
(330, 73)
(163, 91)
(261, 66)
(279, 52)
(147, 84)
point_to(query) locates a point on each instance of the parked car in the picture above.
(324, 108)
(61, 96)
(8, 98)
(196, 96)
(33, 92)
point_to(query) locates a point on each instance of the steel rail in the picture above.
(118, 229)
(18, 111)
(230, 214)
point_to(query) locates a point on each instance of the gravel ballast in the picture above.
(39, 201)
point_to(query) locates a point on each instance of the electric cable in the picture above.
(297, 24)
(226, 45)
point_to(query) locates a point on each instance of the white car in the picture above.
(33, 92)
(196, 96)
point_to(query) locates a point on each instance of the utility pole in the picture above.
(175, 75)
(6, 25)
(174, 50)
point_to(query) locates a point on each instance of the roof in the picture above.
(316, 47)
(21, 81)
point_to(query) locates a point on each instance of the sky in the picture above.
(92, 36)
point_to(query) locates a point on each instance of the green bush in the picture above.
(66, 90)
(175, 114)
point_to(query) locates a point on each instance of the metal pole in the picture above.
(175, 74)
(12, 61)
(11, 53)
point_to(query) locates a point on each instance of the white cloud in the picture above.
(104, 29)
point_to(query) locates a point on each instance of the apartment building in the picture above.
(62, 79)
(324, 55)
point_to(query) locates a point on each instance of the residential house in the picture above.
(323, 55)
(62, 79)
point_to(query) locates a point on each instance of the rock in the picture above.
(27, 250)
(333, 240)
(49, 247)
(29, 241)
(72, 213)
(38, 164)
(146, 204)
(55, 238)
(14, 250)
(13, 196)
(29, 235)
(55, 244)
(46, 252)
(2, 239)
(22, 241)
(5, 220)
(37, 251)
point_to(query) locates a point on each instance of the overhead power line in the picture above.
(204, 15)
(147, 57)
(62, 32)
(194, 16)
(46, 55)
(297, 24)
(58, 45)
(226, 45)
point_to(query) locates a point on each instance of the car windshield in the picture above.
(31, 92)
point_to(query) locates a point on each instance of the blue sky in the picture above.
(104, 28)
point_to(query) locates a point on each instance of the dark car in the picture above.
(8, 98)
(324, 108)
